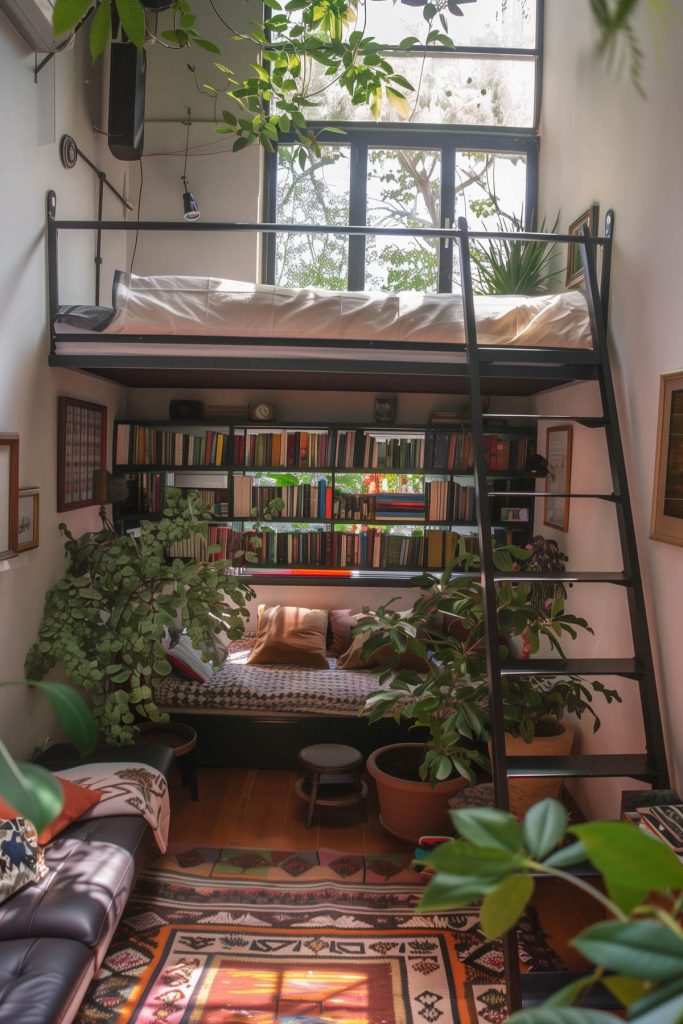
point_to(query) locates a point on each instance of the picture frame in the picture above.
(385, 408)
(28, 519)
(9, 493)
(81, 449)
(558, 453)
(666, 522)
(574, 273)
(514, 515)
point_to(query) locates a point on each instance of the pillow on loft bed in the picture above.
(288, 635)
(85, 318)
(189, 662)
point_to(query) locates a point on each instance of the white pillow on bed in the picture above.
(189, 661)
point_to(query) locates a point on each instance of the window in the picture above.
(469, 148)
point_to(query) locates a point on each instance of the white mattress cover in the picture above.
(215, 307)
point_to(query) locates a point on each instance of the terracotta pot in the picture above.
(412, 809)
(525, 792)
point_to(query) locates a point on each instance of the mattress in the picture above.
(212, 307)
(238, 688)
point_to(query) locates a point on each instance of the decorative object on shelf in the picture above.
(667, 500)
(9, 493)
(185, 409)
(589, 218)
(558, 481)
(385, 409)
(28, 519)
(81, 449)
(190, 205)
(262, 412)
(109, 490)
(110, 633)
(514, 515)
(536, 465)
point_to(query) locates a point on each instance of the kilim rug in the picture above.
(204, 940)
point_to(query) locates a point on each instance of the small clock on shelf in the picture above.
(262, 412)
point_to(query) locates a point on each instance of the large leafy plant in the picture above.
(450, 697)
(637, 952)
(106, 620)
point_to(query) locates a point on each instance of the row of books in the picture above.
(454, 452)
(146, 446)
(295, 449)
(372, 549)
(464, 504)
(271, 548)
(390, 508)
(308, 501)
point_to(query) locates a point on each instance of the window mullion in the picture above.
(358, 212)
(445, 281)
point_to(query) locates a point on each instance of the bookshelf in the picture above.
(326, 500)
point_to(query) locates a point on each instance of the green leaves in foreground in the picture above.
(638, 955)
(31, 790)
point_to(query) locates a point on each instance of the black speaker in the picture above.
(185, 409)
(126, 129)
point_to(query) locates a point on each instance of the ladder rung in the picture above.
(550, 494)
(537, 986)
(585, 421)
(564, 356)
(627, 667)
(601, 766)
(564, 577)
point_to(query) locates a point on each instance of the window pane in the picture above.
(403, 191)
(485, 182)
(319, 194)
(453, 90)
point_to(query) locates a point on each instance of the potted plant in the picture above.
(107, 619)
(449, 698)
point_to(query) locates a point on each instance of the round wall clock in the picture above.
(262, 411)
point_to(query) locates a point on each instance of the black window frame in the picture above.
(361, 136)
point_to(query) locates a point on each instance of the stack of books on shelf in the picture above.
(442, 546)
(370, 548)
(193, 547)
(437, 494)
(356, 448)
(216, 501)
(137, 445)
(296, 449)
(146, 493)
(450, 450)
(665, 821)
(504, 455)
(295, 548)
(464, 504)
(386, 508)
(305, 501)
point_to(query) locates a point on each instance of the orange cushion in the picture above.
(342, 621)
(77, 800)
(290, 636)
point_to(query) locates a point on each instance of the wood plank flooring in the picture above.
(260, 808)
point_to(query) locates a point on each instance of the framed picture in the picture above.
(514, 515)
(574, 275)
(81, 449)
(9, 493)
(557, 483)
(667, 500)
(385, 408)
(28, 519)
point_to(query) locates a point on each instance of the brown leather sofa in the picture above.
(54, 934)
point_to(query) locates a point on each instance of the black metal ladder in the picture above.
(651, 766)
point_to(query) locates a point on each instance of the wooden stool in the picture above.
(331, 778)
(182, 739)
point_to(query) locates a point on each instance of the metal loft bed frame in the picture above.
(509, 374)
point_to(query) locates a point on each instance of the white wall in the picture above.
(28, 387)
(602, 142)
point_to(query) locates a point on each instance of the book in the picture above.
(665, 822)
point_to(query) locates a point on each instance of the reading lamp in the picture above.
(190, 205)
(108, 490)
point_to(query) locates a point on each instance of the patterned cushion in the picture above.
(76, 802)
(21, 859)
(188, 661)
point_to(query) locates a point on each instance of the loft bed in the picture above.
(205, 332)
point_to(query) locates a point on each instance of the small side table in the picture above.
(182, 739)
(331, 778)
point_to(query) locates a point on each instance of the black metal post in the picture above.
(52, 263)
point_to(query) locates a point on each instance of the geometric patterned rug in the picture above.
(199, 946)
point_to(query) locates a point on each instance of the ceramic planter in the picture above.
(412, 809)
(525, 792)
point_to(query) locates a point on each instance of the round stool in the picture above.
(331, 778)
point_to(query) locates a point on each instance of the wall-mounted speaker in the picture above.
(185, 409)
(126, 128)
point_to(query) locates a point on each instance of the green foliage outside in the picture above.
(106, 619)
(637, 952)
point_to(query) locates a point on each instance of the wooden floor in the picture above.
(260, 808)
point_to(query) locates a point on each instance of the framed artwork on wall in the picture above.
(667, 500)
(28, 519)
(558, 455)
(81, 449)
(9, 493)
(574, 274)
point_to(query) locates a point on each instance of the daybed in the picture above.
(54, 933)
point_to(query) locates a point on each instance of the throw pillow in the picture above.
(290, 636)
(342, 621)
(21, 859)
(77, 800)
(187, 660)
(383, 656)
